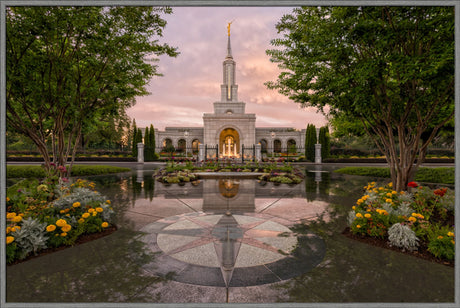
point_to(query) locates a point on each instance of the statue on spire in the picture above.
(228, 27)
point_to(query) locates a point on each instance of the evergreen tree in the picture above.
(152, 141)
(325, 141)
(310, 141)
(147, 156)
(134, 138)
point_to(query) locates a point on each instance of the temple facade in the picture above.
(229, 127)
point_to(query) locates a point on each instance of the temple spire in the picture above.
(229, 47)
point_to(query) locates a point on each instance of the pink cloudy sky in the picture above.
(191, 82)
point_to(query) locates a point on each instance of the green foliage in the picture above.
(389, 68)
(310, 141)
(134, 140)
(325, 141)
(445, 175)
(26, 171)
(441, 242)
(75, 70)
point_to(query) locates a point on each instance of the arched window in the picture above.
(167, 145)
(195, 145)
(263, 145)
(291, 146)
(181, 144)
(277, 146)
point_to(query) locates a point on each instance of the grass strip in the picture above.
(27, 171)
(444, 175)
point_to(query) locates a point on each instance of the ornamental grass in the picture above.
(52, 213)
(426, 215)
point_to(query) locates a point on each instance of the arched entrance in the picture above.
(229, 143)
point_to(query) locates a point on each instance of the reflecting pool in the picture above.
(229, 240)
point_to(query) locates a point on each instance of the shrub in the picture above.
(31, 237)
(403, 237)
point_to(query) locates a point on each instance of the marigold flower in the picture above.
(353, 207)
(388, 200)
(90, 210)
(389, 195)
(451, 234)
(359, 215)
(8, 230)
(85, 215)
(81, 220)
(440, 237)
(108, 202)
(99, 209)
(10, 215)
(76, 204)
(390, 184)
(367, 215)
(453, 242)
(9, 239)
(51, 228)
(63, 234)
(413, 219)
(61, 211)
(17, 218)
(66, 228)
(381, 188)
(105, 224)
(358, 226)
(61, 223)
(394, 192)
(94, 213)
(15, 228)
(7, 199)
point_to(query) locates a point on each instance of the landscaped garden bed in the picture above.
(419, 221)
(270, 172)
(47, 215)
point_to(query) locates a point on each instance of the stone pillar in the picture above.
(317, 153)
(201, 153)
(258, 152)
(140, 152)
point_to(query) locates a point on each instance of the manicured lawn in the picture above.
(26, 171)
(445, 175)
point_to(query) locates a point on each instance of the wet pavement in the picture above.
(227, 240)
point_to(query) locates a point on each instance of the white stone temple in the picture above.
(229, 127)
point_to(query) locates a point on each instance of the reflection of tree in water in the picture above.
(317, 185)
(105, 270)
(352, 271)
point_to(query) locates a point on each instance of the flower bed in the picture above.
(184, 172)
(52, 214)
(417, 219)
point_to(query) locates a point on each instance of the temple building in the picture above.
(229, 127)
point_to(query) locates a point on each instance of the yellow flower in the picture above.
(359, 215)
(15, 228)
(85, 215)
(358, 226)
(421, 216)
(388, 201)
(76, 204)
(8, 230)
(359, 201)
(66, 228)
(99, 209)
(381, 188)
(81, 220)
(108, 202)
(413, 219)
(61, 211)
(61, 223)
(17, 219)
(453, 242)
(10, 215)
(9, 239)
(450, 234)
(394, 192)
(51, 228)
(375, 190)
(367, 215)
(94, 213)
(90, 210)
(365, 197)
(7, 199)
(389, 195)
(63, 234)
(353, 207)
(105, 224)
(390, 184)
(440, 237)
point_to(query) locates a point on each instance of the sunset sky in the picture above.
(191, 82)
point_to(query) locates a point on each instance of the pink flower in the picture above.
(65, 179)
(412, 184)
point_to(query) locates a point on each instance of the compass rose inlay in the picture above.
(230, 250)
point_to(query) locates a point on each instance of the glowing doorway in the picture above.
(229, 143)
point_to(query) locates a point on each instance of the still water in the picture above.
(229, 240)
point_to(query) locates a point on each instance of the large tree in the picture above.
(70, 66)
(390, 68)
